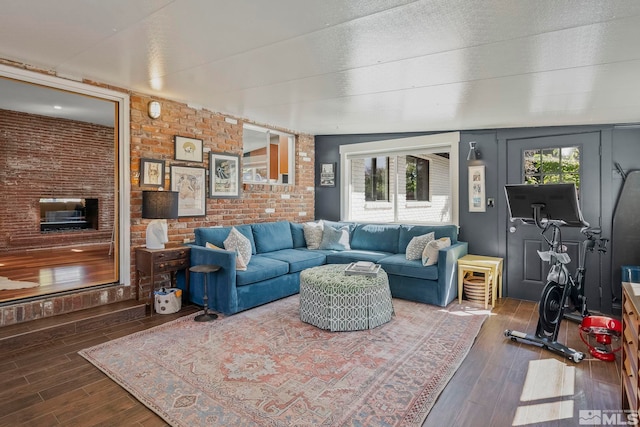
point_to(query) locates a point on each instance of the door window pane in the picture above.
(552, 166)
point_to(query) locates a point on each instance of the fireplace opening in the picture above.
(68, 214)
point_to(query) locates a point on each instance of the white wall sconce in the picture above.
(474, 153)
(154, 109)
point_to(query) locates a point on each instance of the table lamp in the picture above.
(159, 206)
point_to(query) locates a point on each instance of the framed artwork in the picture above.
(190, 183)
(151, 173)
(188, 149)
(224, 175)
(328, 175)
(476, 189)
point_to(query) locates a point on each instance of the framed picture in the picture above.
(188, 149)
(190, 183)
(328, 175)
(476, 189)
(151, 173)
(224, 175)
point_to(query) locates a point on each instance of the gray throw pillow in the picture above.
(313, 234)
(430, 254)
(239, 243)
(416, 246)
(335, 239)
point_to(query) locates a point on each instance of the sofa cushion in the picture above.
(217, 235)
(416, 246)
(408, 232)
(236, 241)
(297, 234)
(313, 234)
(430, 254)
(272, 236)
(353, 255)
(261, 268)
(298, 259)
(335, 239)
(376, 237)
(399, 265)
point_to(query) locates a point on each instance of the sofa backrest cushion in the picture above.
(217, 235)
(376, 237)
(272, 236)
(408, 232)
(297, 234)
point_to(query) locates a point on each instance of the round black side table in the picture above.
(205, 269)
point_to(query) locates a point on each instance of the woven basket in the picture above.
(474, 288)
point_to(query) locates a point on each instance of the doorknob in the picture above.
(512, 229)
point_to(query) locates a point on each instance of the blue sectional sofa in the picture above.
(279, 254)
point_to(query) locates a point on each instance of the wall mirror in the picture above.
(61, 169)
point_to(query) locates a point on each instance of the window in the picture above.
(376, 179)
(267, 156)
(552, 166)
(403, 180)
(417, 178)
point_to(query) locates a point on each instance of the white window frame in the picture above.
(436, 143)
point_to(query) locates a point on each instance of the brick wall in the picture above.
(50, 157)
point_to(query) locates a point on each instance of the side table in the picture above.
(205, 269)
(152, 262)
(491, 267)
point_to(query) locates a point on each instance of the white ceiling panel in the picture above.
(350, 66)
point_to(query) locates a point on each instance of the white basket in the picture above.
(167, 300)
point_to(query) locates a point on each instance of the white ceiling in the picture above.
(350, 66)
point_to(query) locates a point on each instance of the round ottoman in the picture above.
(331, 300)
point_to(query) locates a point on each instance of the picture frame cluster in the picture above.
(191, 181)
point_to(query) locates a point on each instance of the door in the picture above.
(553, 159)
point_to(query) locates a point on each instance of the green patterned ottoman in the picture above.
(331, 300)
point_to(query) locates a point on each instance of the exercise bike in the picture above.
(550, 207)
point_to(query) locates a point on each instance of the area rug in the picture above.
(8, 284)
(264, 367)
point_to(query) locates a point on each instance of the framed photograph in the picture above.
(224, 175)
(188, 149)
(476, 189)
(328, 175)
(191, 185)
(151, 173)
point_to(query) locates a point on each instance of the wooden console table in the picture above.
(152, 262)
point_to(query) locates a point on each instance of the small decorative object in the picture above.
(190, 183)
(362, 268)
(328, 175)
(154, 109)
(476, 189)
(188, 149)
(224, 175)
(151, 173)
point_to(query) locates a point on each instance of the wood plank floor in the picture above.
(58, 269)
(52, 385)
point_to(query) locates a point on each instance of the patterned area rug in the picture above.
(264, 367)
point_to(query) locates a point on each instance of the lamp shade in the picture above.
(474, 154)
(160, 204)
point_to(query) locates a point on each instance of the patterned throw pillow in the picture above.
(240, 264)
(239, 243)
(430, 254)
(416, 246)
(335, 239)
(313, 234)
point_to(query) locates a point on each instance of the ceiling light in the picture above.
(57, 107)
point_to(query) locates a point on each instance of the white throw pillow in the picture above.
(313, 234)
(430, 254)
(240, 264)
(239, 243)
(416, 246)
(335, 239)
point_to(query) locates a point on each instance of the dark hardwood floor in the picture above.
(58, 269)
(52, 385)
